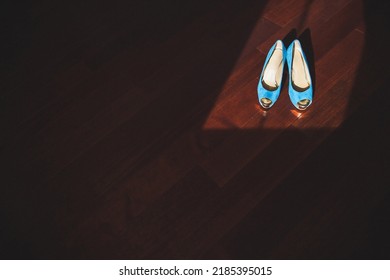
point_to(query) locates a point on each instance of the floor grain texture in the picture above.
(131, 130)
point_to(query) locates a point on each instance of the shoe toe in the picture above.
(303, 104)
(266, 102)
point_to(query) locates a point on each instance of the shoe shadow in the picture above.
(307, 46)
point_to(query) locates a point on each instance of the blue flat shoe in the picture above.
(300, 87)
(268, 89)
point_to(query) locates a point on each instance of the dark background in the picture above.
(131, 130)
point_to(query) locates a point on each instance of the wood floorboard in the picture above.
(326, 27)
(328, 92)
(335, 83)
(338, 222)
(132, 130)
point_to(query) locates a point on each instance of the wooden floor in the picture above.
(131, 130)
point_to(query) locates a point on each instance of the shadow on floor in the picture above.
(40, 215)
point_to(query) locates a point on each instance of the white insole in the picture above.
(273, 71)
(300, 73)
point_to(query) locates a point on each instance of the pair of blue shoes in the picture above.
(300, 87)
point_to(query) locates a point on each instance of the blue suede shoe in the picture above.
(268, 89)
(300, 86)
